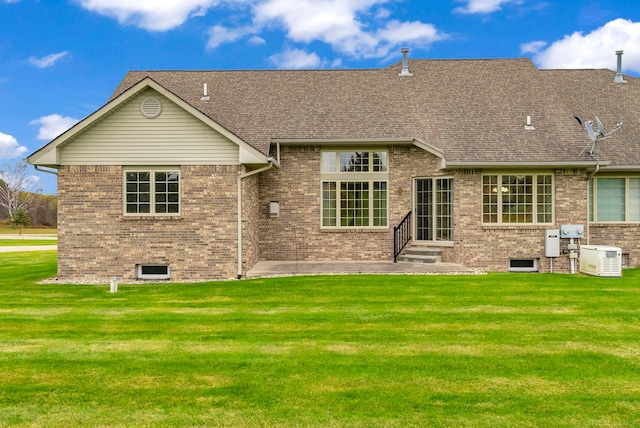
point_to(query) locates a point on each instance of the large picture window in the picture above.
(614, 199)
(152, 192)
(354, 189)
(517, 199)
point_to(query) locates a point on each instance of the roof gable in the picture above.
(52, 153)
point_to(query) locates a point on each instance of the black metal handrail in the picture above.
(401, 236)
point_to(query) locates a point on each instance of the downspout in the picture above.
(240, 177)
(588, 179)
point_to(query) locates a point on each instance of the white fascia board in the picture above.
(341, 141)
(568, 164)
(49, 153)
(429, 148)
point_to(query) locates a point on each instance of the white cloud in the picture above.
(53, 125)
(219, 35)
(49, 60)
(482, 6)
(255, 40)
(152, 15)
(9, 147)
(296, 59)
(357, 28)
(596, 49)
(340, 24)
(532, 47)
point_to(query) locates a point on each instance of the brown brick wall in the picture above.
(625, 236)
(250, 222)
(96, 241)
(491, 247)
(297, 235)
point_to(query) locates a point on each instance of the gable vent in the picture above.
(151, 108)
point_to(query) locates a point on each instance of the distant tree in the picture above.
(13, 184)
(44, 211)
(20, 218)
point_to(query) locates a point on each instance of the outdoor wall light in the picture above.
(274, 209)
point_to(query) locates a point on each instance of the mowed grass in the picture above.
(497, 350)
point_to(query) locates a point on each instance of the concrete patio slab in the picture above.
(266, 268)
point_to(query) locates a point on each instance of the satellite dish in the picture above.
(594, 136)
(588, 126)
(601, 131)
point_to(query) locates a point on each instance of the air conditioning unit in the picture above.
(601, 260)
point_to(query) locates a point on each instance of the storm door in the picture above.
(434, 209)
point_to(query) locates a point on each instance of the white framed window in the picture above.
(517, 199)
(154, 272)
(151, 191)
(614, 199)
(354, 203)
(354, 189)
(351, 161)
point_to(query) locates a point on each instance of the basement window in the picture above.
(153, 272)
(523, 265)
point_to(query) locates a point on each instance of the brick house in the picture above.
(200, 174)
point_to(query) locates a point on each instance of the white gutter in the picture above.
(240, 177)
(39, 168)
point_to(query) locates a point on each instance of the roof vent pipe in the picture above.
(405, 63)
(205, 95)
(618, 78)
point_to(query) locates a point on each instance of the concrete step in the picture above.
(424, 251)
(421, 255)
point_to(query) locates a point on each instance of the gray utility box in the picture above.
(572, 231)
(552, 243)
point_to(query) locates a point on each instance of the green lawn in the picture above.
(497, 350)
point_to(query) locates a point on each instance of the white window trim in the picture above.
(338, 177)
(593, 203)
(534, 204)
(152, 170)
(338, 205)
(433, 179)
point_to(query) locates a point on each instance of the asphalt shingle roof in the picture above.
(472, 110)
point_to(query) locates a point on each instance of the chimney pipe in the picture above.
(405, 63)
(618, 78)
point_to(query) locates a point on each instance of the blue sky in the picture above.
(61, 60)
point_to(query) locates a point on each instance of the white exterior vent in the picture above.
(151, 108)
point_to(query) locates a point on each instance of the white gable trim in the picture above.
(49, 155)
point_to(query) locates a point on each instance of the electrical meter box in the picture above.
(572, 231)
(552, 243)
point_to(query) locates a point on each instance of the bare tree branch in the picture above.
(13, 184)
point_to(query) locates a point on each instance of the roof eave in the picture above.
(524, 164)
